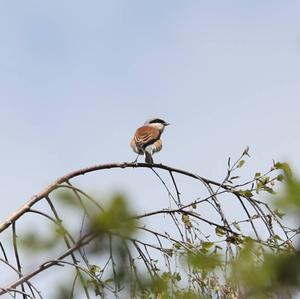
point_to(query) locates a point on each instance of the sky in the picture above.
(77, 78)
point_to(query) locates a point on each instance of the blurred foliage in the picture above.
(255, 269)
(117, 217)
(258, 273)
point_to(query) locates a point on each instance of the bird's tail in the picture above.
(148, 158)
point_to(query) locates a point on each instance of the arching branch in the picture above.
(25, 208)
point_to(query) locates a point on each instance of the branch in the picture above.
(83, 241)
(25, 208)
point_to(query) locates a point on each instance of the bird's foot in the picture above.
(135, 161)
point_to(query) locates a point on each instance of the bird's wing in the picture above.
(146, 135)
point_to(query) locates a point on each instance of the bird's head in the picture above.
(158, 123)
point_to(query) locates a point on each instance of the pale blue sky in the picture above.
(77, 78)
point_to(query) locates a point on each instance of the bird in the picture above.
(146, 139)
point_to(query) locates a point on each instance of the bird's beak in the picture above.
(166, 124)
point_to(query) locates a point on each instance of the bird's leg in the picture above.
(136, 159)
(148, 157)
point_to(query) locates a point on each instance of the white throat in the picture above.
(158, 126)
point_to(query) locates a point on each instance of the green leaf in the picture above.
(204, 262)
(291, 198)
(33, 243)
(68, 197)
(166, 276)
(237, 226)
(186, 220)
(278, 213)
(264, 180)
(61, 231)
(241, 163)
(169, 252)
(116, 217)
(234, 239)
(177, 245)
(280, 178)
(285, 167)
(246, 193)
(220, 231)
(95, 270)
(276, 237)
(268, 189)
(207, 245)
(108, 280)
(177, 276)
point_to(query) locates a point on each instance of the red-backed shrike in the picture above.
(146, 139)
